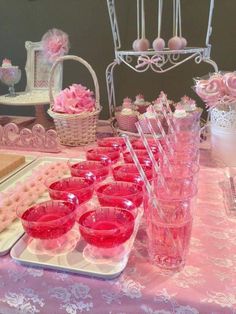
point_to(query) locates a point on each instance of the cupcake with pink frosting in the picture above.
(150, 115)
(6, 64)
(140, 103)
(189, 105)
(127, 117)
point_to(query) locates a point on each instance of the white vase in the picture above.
(223, 136)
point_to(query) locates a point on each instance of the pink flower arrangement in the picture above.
(55, 43)
(74, 100)
(219, 88)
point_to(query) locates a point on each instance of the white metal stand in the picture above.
(157, 61)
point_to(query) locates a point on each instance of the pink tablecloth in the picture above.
(206, 285)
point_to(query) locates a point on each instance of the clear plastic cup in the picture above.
(169, 224)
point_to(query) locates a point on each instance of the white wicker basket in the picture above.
(75, 129)
(223, 136)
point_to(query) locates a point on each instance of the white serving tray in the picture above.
(71, 261)
(11, 234)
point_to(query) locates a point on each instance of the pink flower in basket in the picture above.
(74, 100)
(55, 44)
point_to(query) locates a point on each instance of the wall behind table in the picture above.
(87, 23)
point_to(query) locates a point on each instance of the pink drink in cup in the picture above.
(162, 252)
(169, 226)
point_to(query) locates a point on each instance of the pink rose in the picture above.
(229, 80)
(211, 89)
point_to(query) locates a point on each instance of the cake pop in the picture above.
(159, 43)
(183, 40)
(175, 43)
(141, 44)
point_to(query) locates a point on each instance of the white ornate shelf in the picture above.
(163, 61)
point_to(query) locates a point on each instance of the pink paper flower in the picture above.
(75, 99)
(55, 44)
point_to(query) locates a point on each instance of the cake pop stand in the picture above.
(157, 61)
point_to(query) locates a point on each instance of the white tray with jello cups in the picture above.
(70, 252)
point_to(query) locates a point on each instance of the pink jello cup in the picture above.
(115, 142)
(48, 220)
(97, 170)
(138, 144)
(142, 155)
(105, 154)
(106, 227)
(130, 173)
(82, 188)
(120, 194)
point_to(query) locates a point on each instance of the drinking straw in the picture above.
(137, 163)
(163, 133)
(170, 126)
(148, 186)
(156, 140)
(151, 155)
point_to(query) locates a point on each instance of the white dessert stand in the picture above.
(36, 93)
(157, 61)
(38, 99)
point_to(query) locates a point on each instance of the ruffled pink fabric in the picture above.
(75, 99)
(55, 43)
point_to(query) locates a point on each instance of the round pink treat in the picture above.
(141, 44)
(175, 43)
(184, 42)
(158, 44)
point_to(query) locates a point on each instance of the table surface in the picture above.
(207, 284)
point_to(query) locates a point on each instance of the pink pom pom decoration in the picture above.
(55, 43)
(229, 80)
(75, 99)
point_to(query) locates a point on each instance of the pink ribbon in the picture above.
(145, 60)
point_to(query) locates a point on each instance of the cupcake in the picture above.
(140, 103)
(165, 101)
(189, 105)
(127, 117)
(150, 115)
